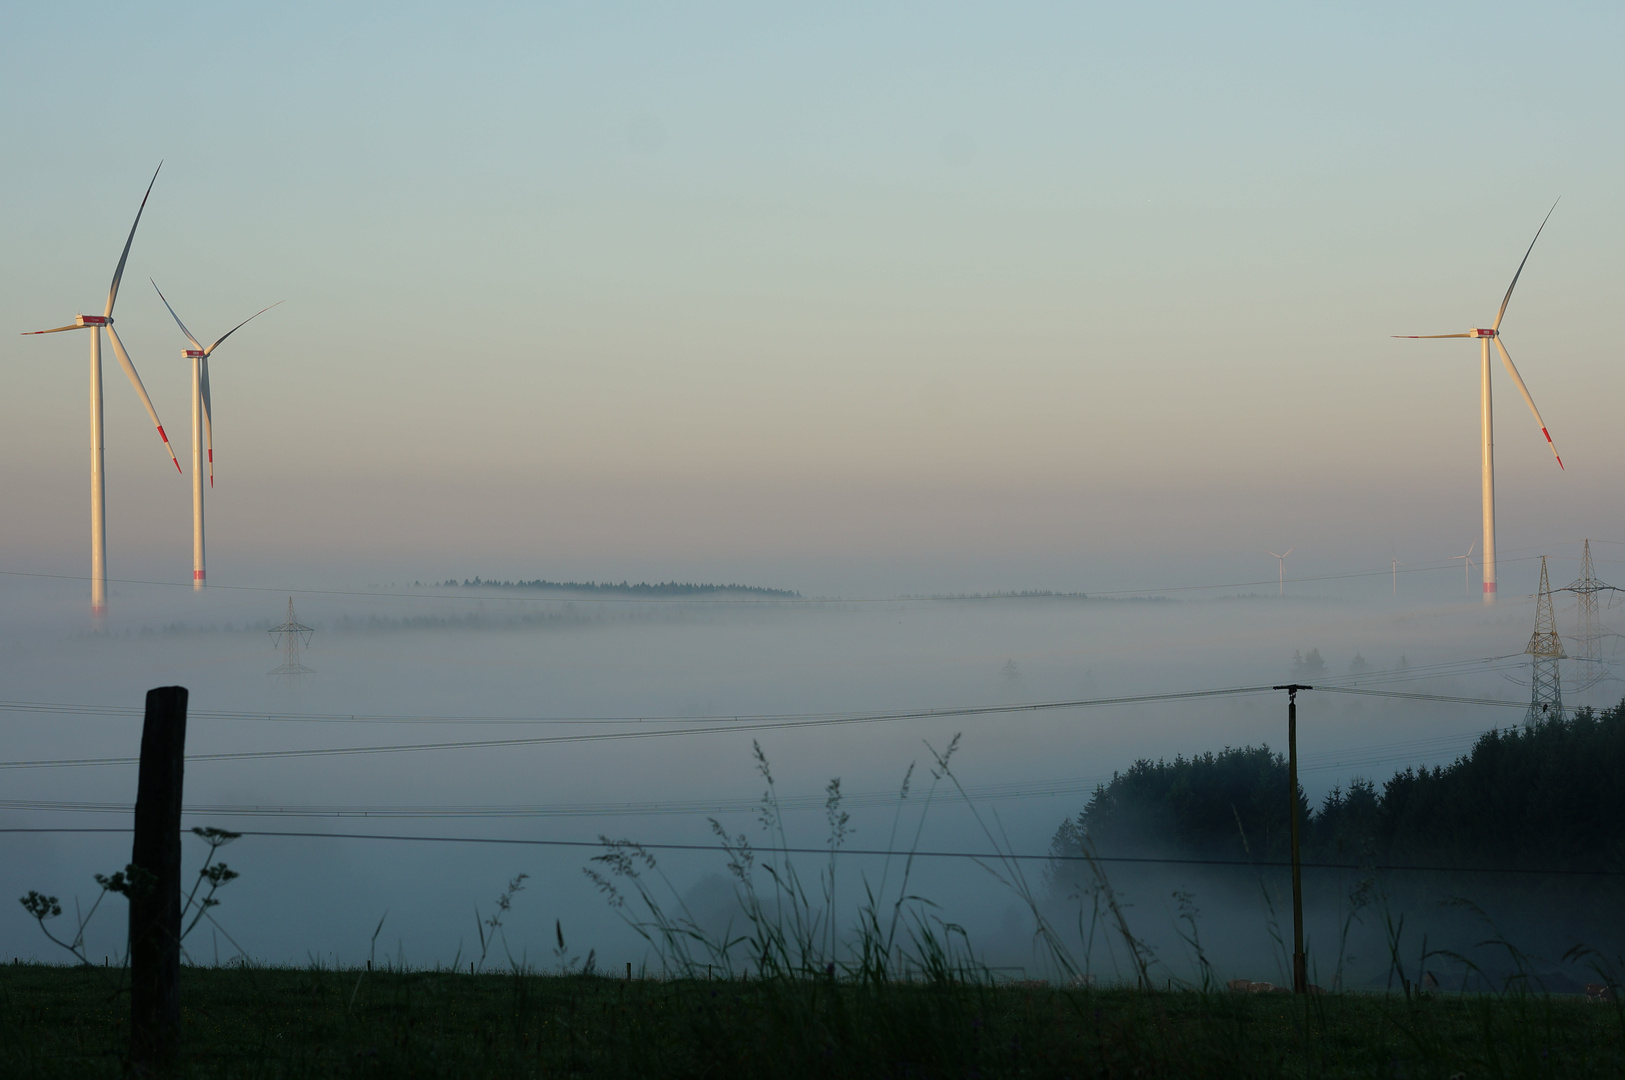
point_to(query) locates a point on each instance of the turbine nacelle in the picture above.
(195, 354)
(93, 320)
(1483, 333)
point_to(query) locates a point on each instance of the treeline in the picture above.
(1020, 594)
(642, 588)
(1548, 795)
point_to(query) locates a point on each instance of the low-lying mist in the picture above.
(808, 681)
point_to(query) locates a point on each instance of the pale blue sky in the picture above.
(845, 297)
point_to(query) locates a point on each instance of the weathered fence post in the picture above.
(155, 905)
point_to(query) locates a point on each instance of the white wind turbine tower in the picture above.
(98, 488)
(202, 425)
(1467, 569)
(1486, 418)
(1280, 569)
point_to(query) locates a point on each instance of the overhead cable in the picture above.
(994, 857)
(743, 723)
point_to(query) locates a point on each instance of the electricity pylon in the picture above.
(1546, 649)
(294, 634)
(1591, 632)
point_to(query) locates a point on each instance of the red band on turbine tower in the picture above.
(197, 575)
(1489, 586)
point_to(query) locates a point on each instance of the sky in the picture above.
(857, 300)
(864, 300)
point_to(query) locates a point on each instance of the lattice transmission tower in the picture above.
(293, 635)
(1546, 649)
(1588, 638)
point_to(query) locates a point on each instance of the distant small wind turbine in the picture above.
(1486, 418)
(1280, 568)
(1466, 569)
(1394, 570)
(98, 487)
(202, 426)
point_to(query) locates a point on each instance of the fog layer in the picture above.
(425, 666)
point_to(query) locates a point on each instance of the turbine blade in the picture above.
(174, 316)
(1506, 358)
(112, 290)
(1496, 325)
(55, 330)
(208, 422)
(1419, 337)
(135, 381)
(239, 326)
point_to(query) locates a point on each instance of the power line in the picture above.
(1379, 753)
(1446, 698)
(735, 724)
(1419, 672)
(1033, 789)
(1022, 790)
(59, 708)
(68, 709)
(739, 724)
(890, 854)
(1005, 792)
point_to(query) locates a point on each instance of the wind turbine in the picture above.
(1486, 418)
(1280, 568)
(1394, 571)
(202, 425)
(98, 488)
(1466, 569)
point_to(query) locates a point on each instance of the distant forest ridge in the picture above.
(1031, 594)
(1019, 594)
(642, 588)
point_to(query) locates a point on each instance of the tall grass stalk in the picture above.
(789, 930)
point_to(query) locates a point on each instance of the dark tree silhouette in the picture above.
(1547, 795)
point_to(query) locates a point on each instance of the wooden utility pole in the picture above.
(1300, 967)
(155, 899)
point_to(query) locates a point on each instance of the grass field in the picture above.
(290, 1022)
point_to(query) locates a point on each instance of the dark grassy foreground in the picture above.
(57, 1021)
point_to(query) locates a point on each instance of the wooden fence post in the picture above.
(155, 909)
